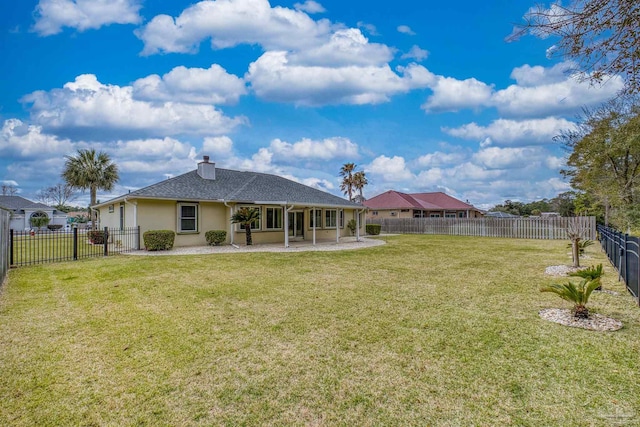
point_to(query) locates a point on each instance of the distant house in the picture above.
(499, 214)
(394, 204)
(205, 199)
(22, 210)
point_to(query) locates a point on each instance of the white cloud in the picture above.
(154, 148)
(274, 79)
(229, 23)
(509, 157)
(90, 107)
(550, 95)
(368, 28)
(28, 141)
(218, 146)
(556, 163)
(539, 92)
(416, 53)
(450, 94)
(513, 132)
(405, 29)
(389, 169)
(326, 149)
(191, 85)
(310, 6)
(438, 159)
(52, 15)
(345, 47)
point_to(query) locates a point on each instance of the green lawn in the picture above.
(426, 330)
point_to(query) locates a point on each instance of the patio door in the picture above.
(296, 224)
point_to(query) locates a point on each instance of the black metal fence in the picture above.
(38, 247)
(5, 218)
(624, 253)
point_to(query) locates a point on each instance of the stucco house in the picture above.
(394, 204)
(205, 199)
(22, 210)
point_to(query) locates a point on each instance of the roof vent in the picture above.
(206, 170)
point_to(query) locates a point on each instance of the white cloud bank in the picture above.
(52, 15)
(106, 111)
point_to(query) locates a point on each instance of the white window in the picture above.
(374, 213)
(317, 213)
(434, 215)
(341, 218)
(450, 215)
(460, 214)
(273, 218)
(187, 217)
(330, 218)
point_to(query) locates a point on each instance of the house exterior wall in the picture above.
(374, 214)
(163, 215)
(20, 221)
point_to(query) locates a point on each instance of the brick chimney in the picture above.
(207, 170)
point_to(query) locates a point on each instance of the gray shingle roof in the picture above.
(239, 186)
(18, 203)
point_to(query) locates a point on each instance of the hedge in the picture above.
(373, 229)
(158, 240)
(96, 237)
(215, 237)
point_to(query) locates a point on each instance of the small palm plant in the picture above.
(246, 217)
(591, 273)
(582, 245)
(577, 294)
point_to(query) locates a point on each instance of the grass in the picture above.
(426, 330)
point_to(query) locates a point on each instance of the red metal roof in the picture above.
(423, 201)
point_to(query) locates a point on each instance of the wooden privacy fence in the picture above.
(516, 228)
(5, 218)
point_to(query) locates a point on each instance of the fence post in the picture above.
(75, 243)
(138, 239)
(106, 241)
(11, 247)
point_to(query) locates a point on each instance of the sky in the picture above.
(421, 96)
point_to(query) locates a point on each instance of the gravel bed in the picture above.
(560, 270)
(595, 322)
(346, 243)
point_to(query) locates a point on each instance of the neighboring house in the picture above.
(22, 210)
(205, 199)
(394, 204)
(499, 214)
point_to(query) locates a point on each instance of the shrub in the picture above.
(582, 245)
(352, 225)
(591, 273)
(215, 237)
(373, 229)
(578, 295)
(158, 240)
(54, 226)
(97, 237)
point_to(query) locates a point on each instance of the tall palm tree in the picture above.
(359, 182)
(92, 171)
(246, 217)
(346, 172)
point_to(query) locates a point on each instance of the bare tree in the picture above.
(9, 190)
(601, 36)
(577, 230)
(57, 195)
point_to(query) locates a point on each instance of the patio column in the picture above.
(286, 226)
(313, 216)
(337, 225)
(357, 225)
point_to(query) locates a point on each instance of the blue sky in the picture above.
(422, 96)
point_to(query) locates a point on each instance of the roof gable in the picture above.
(19, 203)
(422, 201)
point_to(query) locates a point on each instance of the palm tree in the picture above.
(246, 217)
(578, 295)
(346, 172)
(359, 181)
(88, 170)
